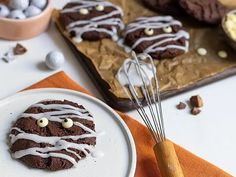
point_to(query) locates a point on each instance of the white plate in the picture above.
(117, 143)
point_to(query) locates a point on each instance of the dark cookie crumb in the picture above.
(181, 106)
(195, 111)
(19, 49)
(196, 101)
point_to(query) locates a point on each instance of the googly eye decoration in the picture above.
(43, 122)
(149, 31)
(67, 123)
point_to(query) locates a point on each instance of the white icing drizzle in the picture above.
(94, 24)
(128, 74)
(58, 143)
(155, 23)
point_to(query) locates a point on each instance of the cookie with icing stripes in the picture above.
(92, 20)
(53, 135)
(159, 36)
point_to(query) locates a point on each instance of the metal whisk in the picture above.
(145, 80)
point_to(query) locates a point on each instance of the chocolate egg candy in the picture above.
(4, 11)
(32, 11)
(54, 60)
(39, 3)
(18, 4)
(17, 14)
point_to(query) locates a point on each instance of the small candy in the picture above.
(222, 54)
(4, 11)
(99, 8)
(149, 31)
(83, 11)
(167, 29)
(17, 14)
(54, 60)
(39, 3)
(43, 122)
(19, 4)
(202, 51)
(67, 123)
(32, 11)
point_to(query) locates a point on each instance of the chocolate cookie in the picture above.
(53, 135)
(170, 7)
(92, 20)
(159, 36)
(208, 11)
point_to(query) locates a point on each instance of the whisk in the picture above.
(140, 72)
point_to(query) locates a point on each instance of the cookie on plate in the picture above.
(92, 20)
(208, 11)
(170, 7)
(53, 135)
(159, 36)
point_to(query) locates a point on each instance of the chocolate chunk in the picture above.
(195, 111)
(58, 146)
(196, 101)
(181, 105)
(208, 11)
(19, 49)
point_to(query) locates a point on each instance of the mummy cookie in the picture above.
(4, 11)
(159, 36)
(92, 20)
(53, 135)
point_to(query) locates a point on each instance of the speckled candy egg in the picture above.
(39, 3)
(17, 14)
(4, 11)
(32, 11)
(54, 60)
(19, 4)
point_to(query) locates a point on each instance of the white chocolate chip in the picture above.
(83, 11)
(149, 31)
(99, 8)
(67, 123)
(202, 51)
(222, 54)
(43, 122)
(167, 29)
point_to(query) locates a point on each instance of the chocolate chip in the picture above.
(181, 105)
(19, 49)
(195, 111)
(196, 101)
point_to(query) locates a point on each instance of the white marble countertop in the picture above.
(210, 135)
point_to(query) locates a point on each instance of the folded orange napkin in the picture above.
(192, 165)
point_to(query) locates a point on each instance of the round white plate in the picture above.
(117, 144)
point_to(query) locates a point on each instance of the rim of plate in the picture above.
(123, 125)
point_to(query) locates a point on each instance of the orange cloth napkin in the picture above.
(192, 165)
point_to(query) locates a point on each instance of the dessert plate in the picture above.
(115, 141)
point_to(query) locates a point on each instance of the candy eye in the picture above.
(83, 11)
(99, 8)
(149, 31)
(43, 122)
(67, 123)
(167, 29)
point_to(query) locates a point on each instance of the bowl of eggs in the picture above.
(23, 19)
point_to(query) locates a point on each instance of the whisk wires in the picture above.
(152, 116)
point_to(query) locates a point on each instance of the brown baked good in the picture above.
(51, 135)
(159, 36)
(92, 20)
(208, 11)
(169, 7)
(102, 59)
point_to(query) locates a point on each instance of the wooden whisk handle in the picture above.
(167, 159)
